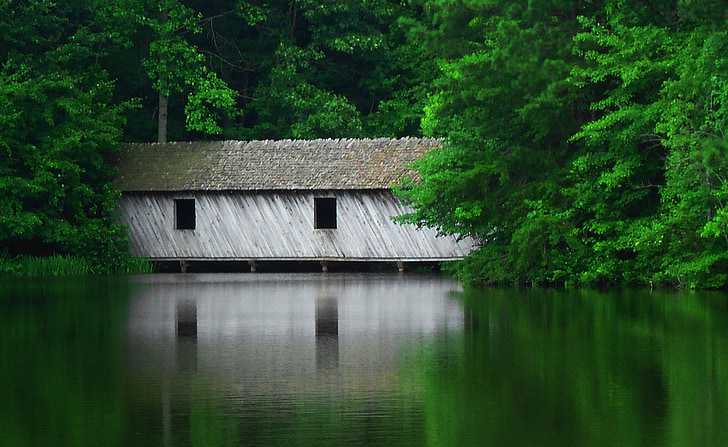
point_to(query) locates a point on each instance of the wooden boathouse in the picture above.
(321, 201)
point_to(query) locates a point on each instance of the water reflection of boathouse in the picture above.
(287, 334)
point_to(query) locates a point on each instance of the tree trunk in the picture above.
(162, 123)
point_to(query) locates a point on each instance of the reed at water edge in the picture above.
(58, 266)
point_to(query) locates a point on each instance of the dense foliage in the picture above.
(584, 141)
(58, 126)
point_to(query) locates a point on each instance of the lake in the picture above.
(357, 359)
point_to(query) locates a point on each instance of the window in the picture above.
(324, 212)
(184, 211)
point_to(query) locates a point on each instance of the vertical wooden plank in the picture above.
(266, 224)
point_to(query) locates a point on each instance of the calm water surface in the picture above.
(312, 360)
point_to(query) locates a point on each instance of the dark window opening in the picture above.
(184, 210)
(324, 212)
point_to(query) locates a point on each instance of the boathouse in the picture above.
(321, 200)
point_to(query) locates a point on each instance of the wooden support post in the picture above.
(183, 266)
(252, 266)
(324, 267)
(400, 266)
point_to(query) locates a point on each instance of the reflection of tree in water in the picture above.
(532, 368)
(581, 368)
(523, 368)
(62, 366)
(90, 370)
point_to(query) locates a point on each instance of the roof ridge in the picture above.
(285, 140)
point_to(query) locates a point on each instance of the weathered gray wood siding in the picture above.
(279, 225)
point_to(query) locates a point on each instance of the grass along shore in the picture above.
(58, 266)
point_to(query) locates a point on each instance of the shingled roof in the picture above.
(269, 165)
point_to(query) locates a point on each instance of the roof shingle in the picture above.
(269, 164)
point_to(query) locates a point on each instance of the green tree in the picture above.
(176, 66)
(584, 143)
(58, 130)
(506, 108)
(650, 184)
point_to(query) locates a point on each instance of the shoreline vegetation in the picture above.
(65, 266)
(584, 143)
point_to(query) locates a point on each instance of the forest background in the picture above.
(584, 140)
